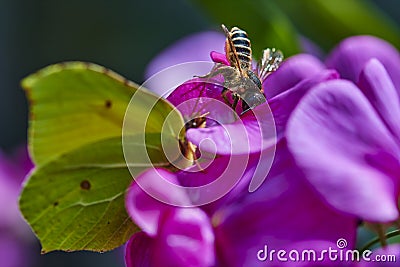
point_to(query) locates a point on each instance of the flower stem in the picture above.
(378, 239)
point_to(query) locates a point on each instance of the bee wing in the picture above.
(270, 61)
(216, 75)
(228, 77)
(220, 73)
(251, 95)
(230, 49)
(231, 79)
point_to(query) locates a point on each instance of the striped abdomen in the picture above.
(242, 47)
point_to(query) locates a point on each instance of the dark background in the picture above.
(122, 35)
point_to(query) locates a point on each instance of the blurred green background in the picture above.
(125, 35)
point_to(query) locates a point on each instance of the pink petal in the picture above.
(291, 72)
(377, 86)
(184, 232)
(173, 235)
(152, 195)
(182, 61)
(219, 58)
(283, 104)
(185, 239)
(345, 150)
(197, 97)
(309, 47)
(383, 257)
(351, 55)
(195, 47)
(253, 132)
(283, 211)
(138, 250)
(222, 181)
(12, 172)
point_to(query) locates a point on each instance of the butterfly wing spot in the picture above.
(85, 185)
(108, 104)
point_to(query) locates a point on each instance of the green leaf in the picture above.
(328, 22)
(74, 199)
(76, 103)
(77, 201)
(73, 104)
(263, 21)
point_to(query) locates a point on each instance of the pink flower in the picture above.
(284, 212)
(345, 133)
(14, 232)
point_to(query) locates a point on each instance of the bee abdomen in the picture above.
(242, 47)
(243, 50)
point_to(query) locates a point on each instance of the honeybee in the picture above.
(239, 78)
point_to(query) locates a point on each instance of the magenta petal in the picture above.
(309, 47)
(222, 181)
(283, 104)
(291, 72)
(9, 189)
(13, 252)
(383, 257)
(144, 209)
(196, 98)
(271, 216)
(8, 202)
(345, 150)
(351, 55)
(219, 58)
(185, 239)
(184, 233)
(194, 89)
(12, 172)
(138, 250)
(195, 47)
(379, 89)
(253, 132)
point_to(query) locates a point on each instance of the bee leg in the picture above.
(186, 149)
(195, 160)
(245, 107)
(215, 71)
(224, 96)
(212, 73)
(235, 101)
